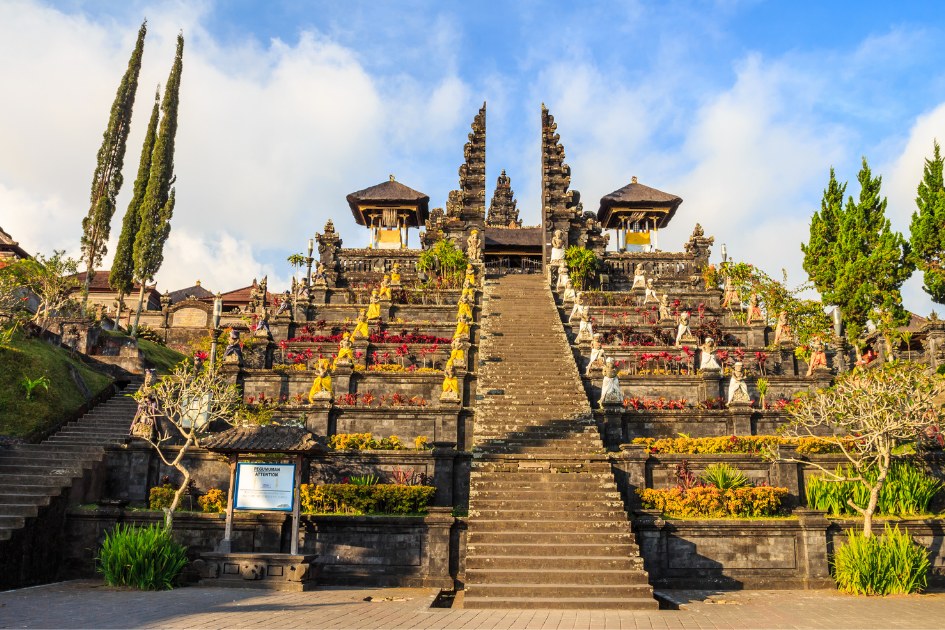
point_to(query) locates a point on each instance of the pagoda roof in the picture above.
(11, 247)
(636, 196)
(389, 194)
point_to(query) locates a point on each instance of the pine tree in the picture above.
(157, 208)
(121, 278)
(107, 181)
(871, 262)
(819, 263)
(928, 228)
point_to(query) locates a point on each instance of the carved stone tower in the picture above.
(559, 205)
(502, 210)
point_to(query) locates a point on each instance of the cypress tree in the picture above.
(107, 180)
(121, 278)
(819, 262)
(928, 228)
(871, 261)
(157, 208)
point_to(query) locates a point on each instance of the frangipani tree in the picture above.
(868, 413)
(187, 402)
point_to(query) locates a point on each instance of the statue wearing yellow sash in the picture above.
(462, 327)
(450, 386)
(374, 308)
(468, 288)
(395, 275)
(457, 353)
(361, 329)
(471, 274)
(384, 291)
(321, 388)
(345, 355)
(464, 307)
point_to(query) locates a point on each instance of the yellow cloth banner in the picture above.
(638, 238)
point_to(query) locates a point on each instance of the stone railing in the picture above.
(677, 266)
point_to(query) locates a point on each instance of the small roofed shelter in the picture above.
(637, 213)
(513, 248)
(291, 442)
(389, 210)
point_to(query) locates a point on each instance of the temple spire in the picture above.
(502, 210)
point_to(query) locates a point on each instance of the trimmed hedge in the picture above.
(351, 499)
(708, 502)
(753, 445)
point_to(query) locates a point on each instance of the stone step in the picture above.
(23, 499)
(6, 533)
(30, 490)
(25, 510)
(544, 496)
(545, 480)
(560, 573)
(482, 504)
(47, 447)
(11, 481)
(553, 563)
(483, 525)
(493, 601)
(65, 441)
(560, 591)
(41, 469)
(12, 522)
(13, 457)
(597, 513)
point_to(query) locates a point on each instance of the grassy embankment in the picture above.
(163, 358)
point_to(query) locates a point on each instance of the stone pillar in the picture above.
(840, 358)
(822, 377)
(632, 466)
(443, 455)
(787, 359)
(318, 417)
(437, 547)
(711, 384)
(741, 418)
(787, 475)
(648, 526)
(341, 380)
(756, 335)
(385, 310)
(935, 342)
(613, 430)
(812, 547)
(360, 345)
(319, 294)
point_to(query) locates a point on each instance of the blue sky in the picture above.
(739, 107)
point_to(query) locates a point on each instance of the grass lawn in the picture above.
(162, 357)
(35, 358)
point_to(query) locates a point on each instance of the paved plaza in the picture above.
(88, 604)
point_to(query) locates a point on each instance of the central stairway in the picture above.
(547, 527)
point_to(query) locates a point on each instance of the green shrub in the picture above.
(149, 334)
(724, 477)
(880, 565)
(907, 490)
(352, 499)
(707, 502)
(366, 442)
(147, 558)
(161, 497)
(366, 480)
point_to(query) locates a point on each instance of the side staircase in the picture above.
(38, 481)
(547, 527)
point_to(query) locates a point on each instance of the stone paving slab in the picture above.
(88, 604)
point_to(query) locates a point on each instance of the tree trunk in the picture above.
(169, 511)
(134, 330)
(121, 302)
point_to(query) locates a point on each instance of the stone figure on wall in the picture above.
(563, 278)
(468, 288)
(384, 291)
(559, 243)
(319, 276)
(465, 307)
(361, 328)
(731, 295)
(450, 384)
(639, 279)
(457, 353)
(345, 353)
(610, 390)
(568, 292)
(262, 325)
(818, 357)
(374, 307)
(597, 352)
(754, 310)
(234, 349)
(737, 389)
(782, 333)
(650, 293)
(708, 361)
(578, 306)
(683, 332)
(395, 275)
(286, 303)
(474, 247)
(665, 311)
(471, 274)
(462, 327)
(321, 387)
(585, 331)
(144, 423)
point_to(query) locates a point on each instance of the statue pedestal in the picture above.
(341, 379)
(385, 310)
(268, 571)
(711, 383)
(612, 430)
(318, 416)
(319, 293)
(741, 418)
(756, 334)
(360, 345)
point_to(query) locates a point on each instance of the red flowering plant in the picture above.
(761, 357)
(347, 400)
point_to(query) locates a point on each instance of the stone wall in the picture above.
(359, 550)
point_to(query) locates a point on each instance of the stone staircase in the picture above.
(547, 527)
(63, 469)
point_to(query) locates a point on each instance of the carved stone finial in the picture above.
(198, 282)
(633, 180)
(391, 178)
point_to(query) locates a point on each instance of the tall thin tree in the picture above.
(121, 278)
(819, 262)
(928, 227)
(107, 180)
(157, 208)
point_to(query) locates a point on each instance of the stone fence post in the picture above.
(437, 548)
(812, 547)
(443, 455)
(630, 472)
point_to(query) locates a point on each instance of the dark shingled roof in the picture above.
(271, 438)
(635, 195)
(182, 294)
(506, 237)
(390, 193)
